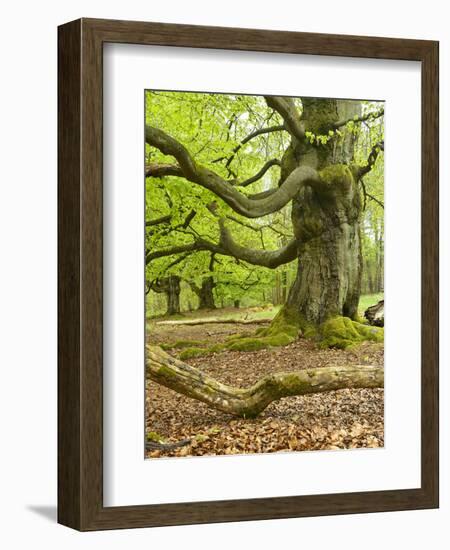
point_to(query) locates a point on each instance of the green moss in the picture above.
(361, 320)
(375, 334)
(238, 336)
(246, 344)
(336, 332)
(280, 339)
(166, 372)
(154, 436)
(181, 344)
(188, 353)
(284, 329)
(287, 321)
(293, 383)
(216, 348)
(336, 174)
(257, 343)
(343, 333)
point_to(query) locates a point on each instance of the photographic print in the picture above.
(264, 286)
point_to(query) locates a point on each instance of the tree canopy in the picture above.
(224, 173)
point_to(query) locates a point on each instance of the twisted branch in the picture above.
(249, 207)
(250, 402)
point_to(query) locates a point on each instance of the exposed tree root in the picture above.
(250, 402)
(337, 332)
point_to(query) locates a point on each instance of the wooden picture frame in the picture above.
(80, 271)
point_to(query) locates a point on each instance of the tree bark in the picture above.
(250, 402)
(320, 178)
(326, 219)
(328, 281)
(173, 295)
(206, 295)
(170, 286)
(205, 292)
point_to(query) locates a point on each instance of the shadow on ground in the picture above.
(47, 512)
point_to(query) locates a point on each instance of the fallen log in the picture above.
(214, 321)
(160, 446)
(375, 314)
(250, 402)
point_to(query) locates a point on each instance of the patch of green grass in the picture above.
(268, 313)
(367, 300)
(248, 313)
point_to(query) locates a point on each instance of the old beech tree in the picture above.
(321, 180)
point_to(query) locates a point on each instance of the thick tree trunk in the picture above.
(249, 402)
(170, 286)
(326, 220)
(205, 292)
(328, 281)
(173, 295)
(206, 295)
(283, 286)
(380, 261)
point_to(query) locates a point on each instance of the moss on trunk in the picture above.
(326, 218)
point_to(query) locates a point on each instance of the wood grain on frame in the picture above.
(80, 264)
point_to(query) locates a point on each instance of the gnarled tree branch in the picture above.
(368, 195)
(260, 173)
(285, 107)
(362, 118)
(265, 258)
(197, 246)
(228, 247)
(249, 207)
(170, 146)
(168, 218)
(256, 133)
(250, 402)
(157, 170)
(373, 155)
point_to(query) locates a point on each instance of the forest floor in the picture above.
(343, 419)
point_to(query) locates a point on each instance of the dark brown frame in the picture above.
(80, 301)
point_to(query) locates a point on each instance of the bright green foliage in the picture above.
(218, 124)
(212, 126)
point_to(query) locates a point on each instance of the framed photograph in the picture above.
(237, 208)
